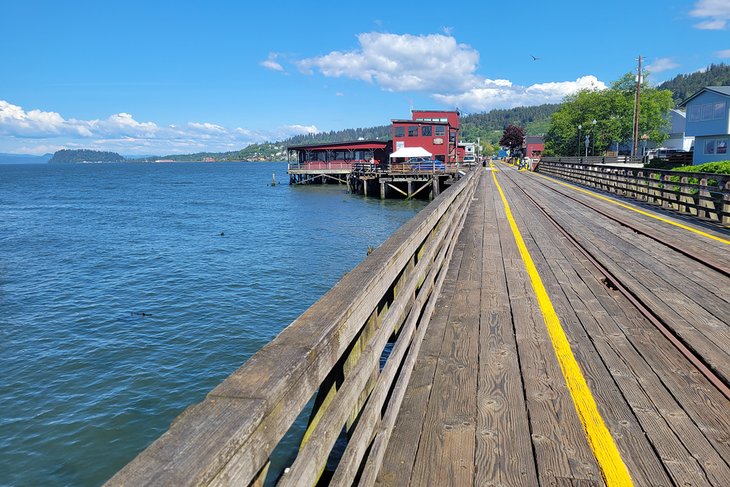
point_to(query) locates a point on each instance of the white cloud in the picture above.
(662, 64)
(437, 64)
(270, 63)
(503, 94)
(715, 12)
(14, 121)
(302, 129)
(401, 62)
(724, 54)
(49, 131)
(207, 127)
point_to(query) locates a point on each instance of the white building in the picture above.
(677, 138)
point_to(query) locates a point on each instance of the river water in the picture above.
(128, 291)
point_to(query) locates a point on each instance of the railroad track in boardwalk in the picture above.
(615, 282)
(715, 264)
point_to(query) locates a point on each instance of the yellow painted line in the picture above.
(637, 210)
(604, 448)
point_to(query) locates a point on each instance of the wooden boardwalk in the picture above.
(488, 402)
(519, 331)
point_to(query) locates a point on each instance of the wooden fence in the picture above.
(334, 356)
(706, 196)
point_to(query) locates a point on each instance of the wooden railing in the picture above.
(424, 168)
(706, 196)
(321, 166)
(334, 355)
(594, 159)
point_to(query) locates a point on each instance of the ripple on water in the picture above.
(122, 304)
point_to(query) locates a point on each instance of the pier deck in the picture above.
(518, 331)
(488, 404)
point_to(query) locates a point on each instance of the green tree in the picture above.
(613, 111)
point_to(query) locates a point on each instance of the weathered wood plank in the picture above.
(447, 444)
(558, 439)
(405, 438)
(504, 449)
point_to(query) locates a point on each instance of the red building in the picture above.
(534, 145)
(334, 161)
(434, 130)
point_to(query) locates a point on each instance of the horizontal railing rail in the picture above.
(426, 168)
(321, 165)
(702, 195)
(334, 354)
(593, 159)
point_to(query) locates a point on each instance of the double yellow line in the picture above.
(604, 448)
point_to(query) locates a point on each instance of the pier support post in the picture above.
(410, 188)
(382, 190)
(364, 186)
(436, 191)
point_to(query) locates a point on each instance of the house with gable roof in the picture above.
(708, 120)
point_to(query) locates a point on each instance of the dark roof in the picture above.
(723, 90)
(353, 144)
(534, 139)
(415, 122)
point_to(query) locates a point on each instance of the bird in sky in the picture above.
(535, 58)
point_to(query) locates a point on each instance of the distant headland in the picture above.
(67, 156)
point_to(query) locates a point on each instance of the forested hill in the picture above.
(535, 119)
(685, 85)
(522, 116)
(84, 155)
(369, 133)
(488, 126)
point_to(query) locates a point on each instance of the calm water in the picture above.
(129, 291)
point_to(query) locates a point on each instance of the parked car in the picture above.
(425, 164)
(662, 153)
(470, 160)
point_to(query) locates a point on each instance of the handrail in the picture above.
(702, 195)
(321, 165)
(331, 352)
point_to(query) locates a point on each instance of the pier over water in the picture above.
(520, 330)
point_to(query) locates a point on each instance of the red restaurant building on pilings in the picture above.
(372, 167)
(322, 163)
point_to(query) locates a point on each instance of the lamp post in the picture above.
(577, 153)
(593, 136)
(644, 138)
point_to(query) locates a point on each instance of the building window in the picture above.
(707, 112)
(720, 110)
(721, 146)
(400, 132)
(426, 131)
(710, 146)
(440, 130)
(695, 112)
(412, 131)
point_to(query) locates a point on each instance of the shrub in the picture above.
(720, 167)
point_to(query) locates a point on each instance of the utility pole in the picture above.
(637, 104)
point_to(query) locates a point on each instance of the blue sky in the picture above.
(154, 77)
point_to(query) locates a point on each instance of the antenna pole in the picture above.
(637, 104)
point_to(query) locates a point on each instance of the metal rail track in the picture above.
(612, 281)
(718, 267)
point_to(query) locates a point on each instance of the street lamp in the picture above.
(593, 129)
(577, 154)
